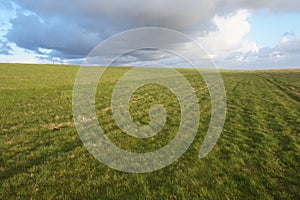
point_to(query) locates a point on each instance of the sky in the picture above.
(242, 34)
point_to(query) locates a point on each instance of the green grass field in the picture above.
(42, 157)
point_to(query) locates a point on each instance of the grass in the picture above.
(42, 157)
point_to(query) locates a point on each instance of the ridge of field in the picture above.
(42, 157)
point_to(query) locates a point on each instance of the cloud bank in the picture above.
(67, 29)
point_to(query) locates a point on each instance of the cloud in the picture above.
(32, 33)
(284, 55)
(289, 46)
(72, 28)
(131, 13)
(286, 34)
(230, 35)
(5, 4)
(64, 29)
(5, 48)
(274, 5)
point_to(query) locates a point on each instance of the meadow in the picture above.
(42, 156)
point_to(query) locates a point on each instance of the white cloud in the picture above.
(286, 54)
(21, 56)
(230, 48)
(229, 36)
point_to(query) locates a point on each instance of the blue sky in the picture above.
(238, 34)
(268, 28)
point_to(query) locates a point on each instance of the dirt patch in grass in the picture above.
(59, 126)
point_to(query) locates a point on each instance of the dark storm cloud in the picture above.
(132, 13)
(32, 32)
(72, 28)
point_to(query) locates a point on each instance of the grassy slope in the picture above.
(42, 156)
